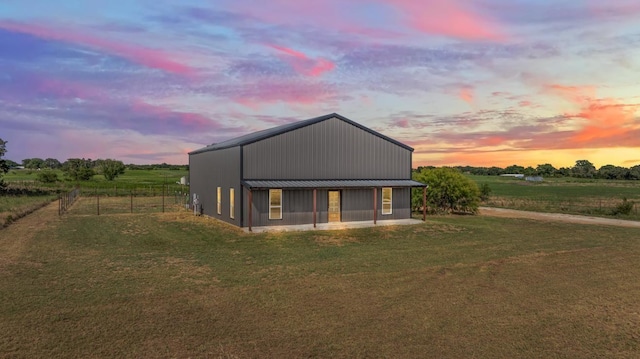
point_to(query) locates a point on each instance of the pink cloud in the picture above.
(141, 55)
(400, 122)
(575, 94)
(605, 121)
(466, 94)
(259, 93)
(448, 18)
(168, 119)
(302, 64)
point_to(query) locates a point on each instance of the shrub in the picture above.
(449, 191)
(47, 176)
(625, 207)
(485, 191)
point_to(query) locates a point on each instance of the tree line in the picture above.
(74, 169)
(581, 169)
(52, 163)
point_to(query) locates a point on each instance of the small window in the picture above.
(219, 199)
(275, 204)
(386, 200)
(232, 199)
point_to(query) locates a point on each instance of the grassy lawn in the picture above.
(13, 207)
(568, 195)
(173, 285)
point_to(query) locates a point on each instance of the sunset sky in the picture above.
(482, 83)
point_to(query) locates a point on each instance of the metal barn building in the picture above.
(325, 169)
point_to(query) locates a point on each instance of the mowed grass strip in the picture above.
(175, 285)
(14, 207)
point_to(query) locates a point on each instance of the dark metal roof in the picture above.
(264, 134)
(302, 184)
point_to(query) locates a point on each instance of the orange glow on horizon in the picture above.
(624, 157)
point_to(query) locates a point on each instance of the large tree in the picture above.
(4, 167)
(449, 191)
(613, 172)
(33, 163)
(546, 170)
(52, 163)
(583, 169)
(78, 169)
(514, 169)
(109, 168)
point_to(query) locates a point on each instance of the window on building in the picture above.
(386, 200)
(275, 204)
(219, 199)
(232, 199)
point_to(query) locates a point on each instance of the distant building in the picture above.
(534, 178)
(325, 169)
(516, 175)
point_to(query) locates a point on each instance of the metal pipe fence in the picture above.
(65, 200)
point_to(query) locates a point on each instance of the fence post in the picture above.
(131, 201)
(98, 204)
(59, 205)
(163, 199)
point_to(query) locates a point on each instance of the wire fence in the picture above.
(139, 200)
(583, 206)
(67, 199)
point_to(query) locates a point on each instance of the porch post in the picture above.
(250, 208)
(375, 205)
(315, 195)
(424, 204)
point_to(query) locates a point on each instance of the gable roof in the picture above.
(271, 132)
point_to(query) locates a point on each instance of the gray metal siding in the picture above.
(400, 204)
(331, 149)
(297, 206)
(357, 205)
(209, 170)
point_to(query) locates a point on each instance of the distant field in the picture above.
(175, 285)
(147, 180)
(567, 195)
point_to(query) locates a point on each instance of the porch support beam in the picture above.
(375, 205)
(250, 208)
(315, 196)
(424, 204)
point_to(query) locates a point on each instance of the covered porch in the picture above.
(355, 204)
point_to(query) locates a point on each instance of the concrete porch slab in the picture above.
(333, 226)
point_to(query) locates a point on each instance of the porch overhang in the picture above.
(333, 184)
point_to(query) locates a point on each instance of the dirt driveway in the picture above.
(561, 217)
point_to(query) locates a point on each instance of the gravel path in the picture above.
(561, 217)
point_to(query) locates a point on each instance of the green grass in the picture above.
(568, 195)
(141, 182)
(175, 285)
(14, 207)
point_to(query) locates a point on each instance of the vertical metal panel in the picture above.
(331, 149)
(297, 208)
(212, 169)
(400, 204)
(357, 205)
